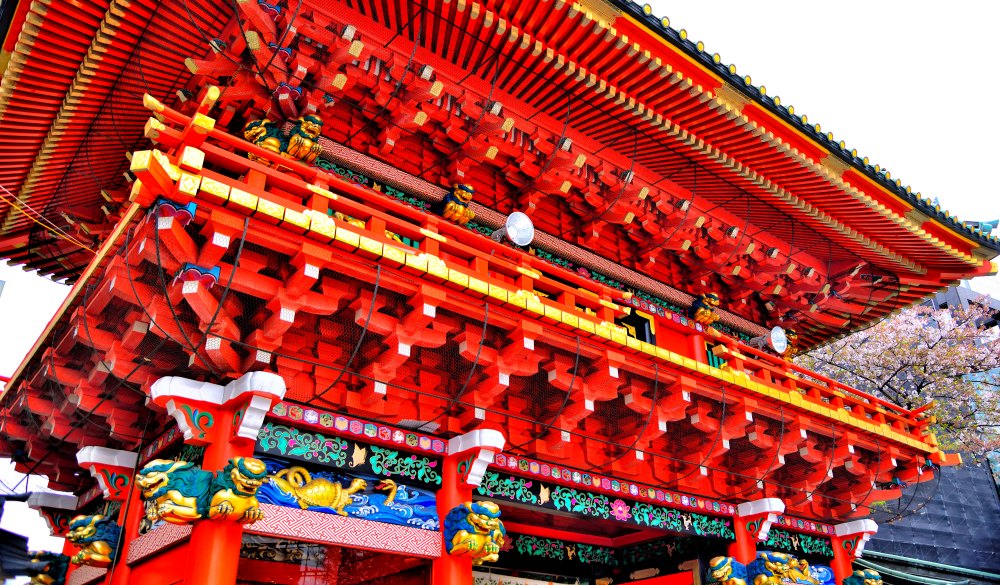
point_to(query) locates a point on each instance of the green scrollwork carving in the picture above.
(514, 488)
(540, 547)
(303, 445)
(591, 504)
(389, 462)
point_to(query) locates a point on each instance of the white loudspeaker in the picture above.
(775, 339)
(518, 229)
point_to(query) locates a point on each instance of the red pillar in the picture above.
(129, 518)
(225, 420)
(215, 546)
(449, 570)
(698, 352)
(468, 457)
(751, 524)
(848, 543)
(114, 471)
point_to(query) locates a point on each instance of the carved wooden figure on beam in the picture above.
(703, 308)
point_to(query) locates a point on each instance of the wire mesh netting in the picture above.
(361, 342)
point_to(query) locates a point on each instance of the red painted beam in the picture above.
(566, 535)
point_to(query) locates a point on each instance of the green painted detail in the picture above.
(599, 555)
(116, 482)
(549, 548)
(713, 360)
(561, 550)
(389, 462)
(200, 420)
(572, 500)
(512, 488)
(191, 453)
(303, 445)
(654, 516)
(794, 542)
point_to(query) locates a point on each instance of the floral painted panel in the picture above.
(596, 505)
(331, 451)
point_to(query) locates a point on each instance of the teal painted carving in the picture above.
(646, 514)
(561, 550)
(598, 505)
(572, 500)
(279, 439)
(549, 548)
(389, 462)
(200, 420)
(804, 543)
(599, 555)
(313, 447)
(512, 488)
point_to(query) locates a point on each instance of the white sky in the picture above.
(907, 83)
(26, 304)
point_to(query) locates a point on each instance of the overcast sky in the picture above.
(909, 84)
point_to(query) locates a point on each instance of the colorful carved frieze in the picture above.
(97, 538)
(319, 492)
(794, 542)
(347, 493)
(475, 530)
(603, 506)
(361, 458)
(183, 492)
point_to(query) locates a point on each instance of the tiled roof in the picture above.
(875, 172)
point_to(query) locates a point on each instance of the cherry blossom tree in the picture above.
(921, 355)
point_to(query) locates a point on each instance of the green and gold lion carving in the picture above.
(474, 530)
(183, 492)
(97, 537)
(864, 577)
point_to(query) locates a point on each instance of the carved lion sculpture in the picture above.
(234, 491)
(703, 308)
(97, 538)
(48, 568)
(475, 530)
(727, 571)
(864, 577)
(455, 205)
(179, 489)
(301, 143)
(182, 492)
(770, 568)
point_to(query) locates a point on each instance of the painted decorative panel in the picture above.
(339, 424)
(543, 471)
(339, 452)
(784, 540)
(598, 505)
(349, 494)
